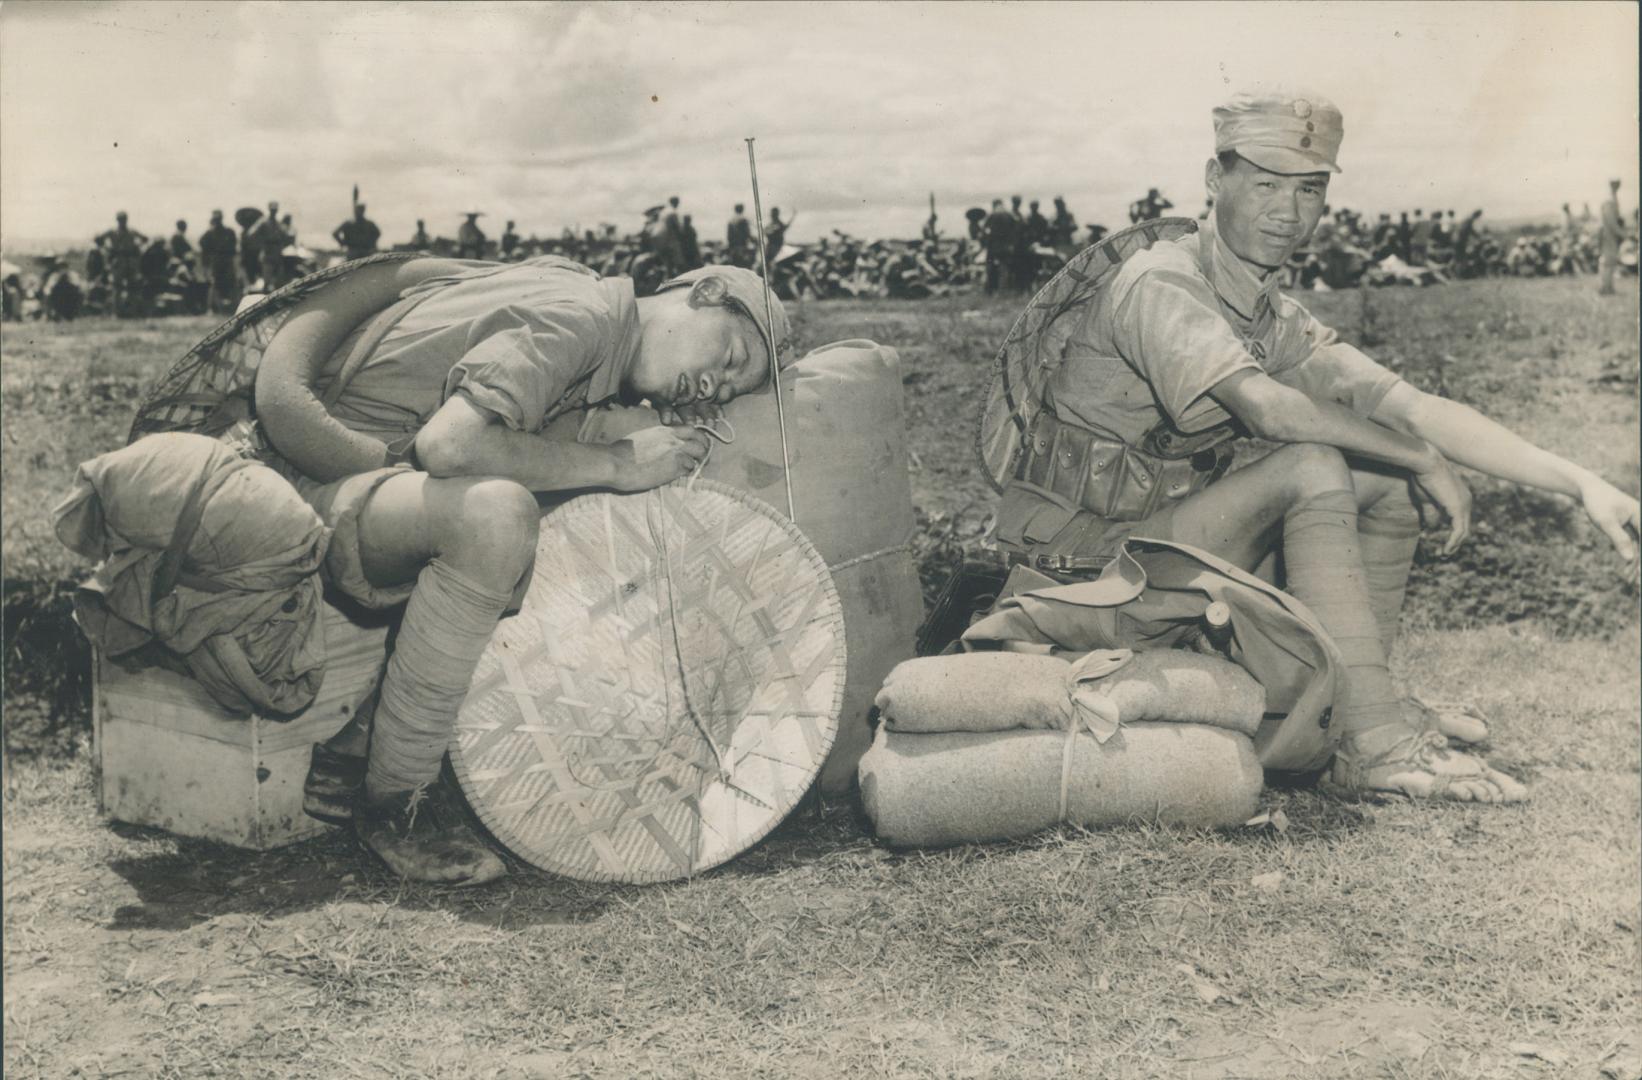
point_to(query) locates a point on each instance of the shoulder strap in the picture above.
(170, 572)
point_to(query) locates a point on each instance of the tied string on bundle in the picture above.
(1093, 710)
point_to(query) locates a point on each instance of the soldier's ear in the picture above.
(708, 292)
(1212, 172)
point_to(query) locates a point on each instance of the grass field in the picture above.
(1367, 939)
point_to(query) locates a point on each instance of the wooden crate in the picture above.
(171, 756)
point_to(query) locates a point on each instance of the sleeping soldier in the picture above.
(407, 403)
(1191, 341)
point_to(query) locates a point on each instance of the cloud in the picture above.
(575, 114)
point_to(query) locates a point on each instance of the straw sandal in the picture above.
(1421, 766)
(1458, 721)
(421, 840)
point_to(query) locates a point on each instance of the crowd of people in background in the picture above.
(1003, 250)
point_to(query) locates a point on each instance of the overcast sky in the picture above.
(576, 114)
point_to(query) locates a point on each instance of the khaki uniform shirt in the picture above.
(1180, 317)
(1176, 320)
(527, 341)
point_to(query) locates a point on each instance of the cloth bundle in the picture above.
(991, 745)
(212, 556)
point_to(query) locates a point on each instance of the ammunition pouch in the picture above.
(1114, 480)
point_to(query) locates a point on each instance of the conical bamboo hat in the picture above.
(1036, 342)
(667, 693)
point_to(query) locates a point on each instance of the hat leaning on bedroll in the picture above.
(746, 291)
(1281, 131)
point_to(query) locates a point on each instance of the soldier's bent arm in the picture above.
(288, 407)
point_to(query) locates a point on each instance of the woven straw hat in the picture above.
(1037, 342)
(667, 693)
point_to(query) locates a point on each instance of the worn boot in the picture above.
(422, 841)
(334, 783)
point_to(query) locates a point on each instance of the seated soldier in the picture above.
(407, 404)
(1191, 337)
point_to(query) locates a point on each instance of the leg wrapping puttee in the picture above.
(1325, 571)
(1389, 533)
(448, 623)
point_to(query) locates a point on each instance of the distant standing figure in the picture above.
(421, 241)
(1064, 228)
(998, 234)
(125, 248)
(470, 239)
(689, 243)
(510, 240)
(1150, 207)
(218, 245)
(358, 235)
(156, 270)
(1034, 231)
(738, 238)
(775, 233)
(270, 243)
(1613, 234)
(182, 249)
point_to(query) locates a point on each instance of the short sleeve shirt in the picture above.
(1179, 318)
(526, 341)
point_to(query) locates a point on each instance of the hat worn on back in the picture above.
(1280, 131)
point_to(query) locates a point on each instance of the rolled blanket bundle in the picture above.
(932, 790)
(978, 691)
(1005, 691)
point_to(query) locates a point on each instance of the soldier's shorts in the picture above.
(339, 505)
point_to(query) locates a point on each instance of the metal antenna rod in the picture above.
(769, 331)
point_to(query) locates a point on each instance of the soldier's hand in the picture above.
(654, 456)
(1615, 513)
(700, 412)
(1440, 487)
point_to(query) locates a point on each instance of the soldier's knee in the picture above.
(505, 509)
(1309, 468)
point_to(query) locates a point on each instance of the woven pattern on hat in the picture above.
(667, 693)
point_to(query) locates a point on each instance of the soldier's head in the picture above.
(216, 217)
(1418, 214)
(510, 223)
(997, 204)
(686, 219)
(1033, 204)
(359, 211)
(1274, 153)
(701, 338)
(1060, 202)
(672, 200)
(120, 217)
(1385, 217)
(273, 208)
(420, 224)
(182, 226)
(1015, 202)
(1152, 193)
(739, 208)
(1613, 185)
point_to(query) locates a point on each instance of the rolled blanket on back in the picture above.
(1004, 691)
(933, 790)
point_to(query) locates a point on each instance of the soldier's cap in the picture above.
(743, 292)
(1280, 131)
